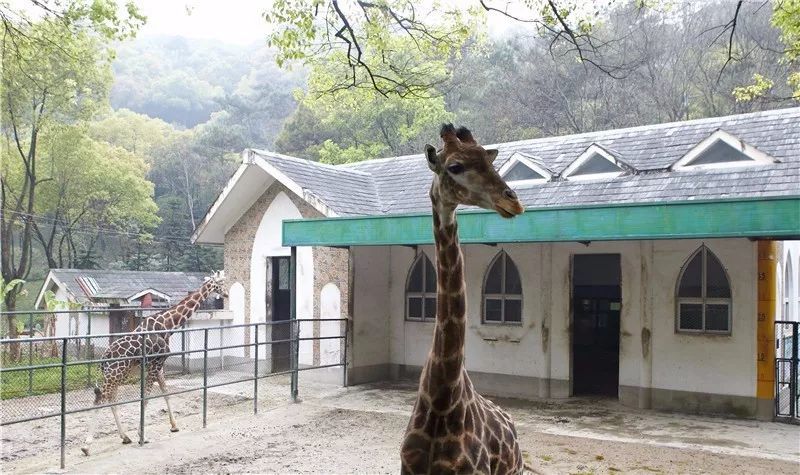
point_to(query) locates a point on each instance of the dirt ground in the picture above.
(359, 429)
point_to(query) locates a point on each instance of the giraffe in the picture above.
(453, 429)
(129, 346)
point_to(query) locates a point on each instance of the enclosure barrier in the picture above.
(223, 355)
(787, 371)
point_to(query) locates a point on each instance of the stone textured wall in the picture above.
(330, 264)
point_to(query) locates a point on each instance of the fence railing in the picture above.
(787, 371)
(223, 355)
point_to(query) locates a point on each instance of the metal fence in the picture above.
(223, 355)
(787, 371)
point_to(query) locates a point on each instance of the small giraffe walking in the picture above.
(453, 429)
(157, 344)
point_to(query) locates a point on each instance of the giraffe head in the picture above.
(464, 174)
(216, 284)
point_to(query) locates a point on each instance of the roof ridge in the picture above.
(307, 161)
(655, 126)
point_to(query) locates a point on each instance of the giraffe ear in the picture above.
(491, 154)
(433, 158)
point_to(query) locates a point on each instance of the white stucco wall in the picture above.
(541, 347)
(372, 283)
(789, 281)
(330, 307)
(267, 244)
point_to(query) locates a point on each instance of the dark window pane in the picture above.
(717, 285)
(692, 277)
(513, 285)
(414, 307)
(717, 317)
(513, 310)
(596, 164)
(283, 274)
(493, 280)
(430, 308)
(520, 171)
(415, 279)
(720, 152)
(430, 276)
(691, 316)
(493, 312)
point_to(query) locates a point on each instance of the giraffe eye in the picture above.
(455, 168)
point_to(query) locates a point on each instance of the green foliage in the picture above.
(395, 47)
(758, 88)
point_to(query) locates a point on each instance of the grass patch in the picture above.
(599, 457)
(546, 458)
(14, 384)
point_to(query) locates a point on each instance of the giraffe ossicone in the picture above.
(453, 429)
(156, 346)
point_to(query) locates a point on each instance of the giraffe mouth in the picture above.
(509, 210)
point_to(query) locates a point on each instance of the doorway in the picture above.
(596, 306)
(281, 312)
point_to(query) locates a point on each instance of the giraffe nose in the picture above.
(510, 194)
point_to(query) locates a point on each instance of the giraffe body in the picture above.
(453, 429)
(156, 348)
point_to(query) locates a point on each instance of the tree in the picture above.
(360, 123)
(55, 71)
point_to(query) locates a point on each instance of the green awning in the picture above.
(753, 218)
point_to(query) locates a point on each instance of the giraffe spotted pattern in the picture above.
(453, 429)
(156, 348)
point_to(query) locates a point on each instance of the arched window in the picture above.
(421, 290)
(703, 295)
(502, 292)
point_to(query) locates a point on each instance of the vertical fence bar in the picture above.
(142, 402)
(294, 330)
(255, 372)
(205, 375)
(183, 349)
(344, 354)
(30, 353)
(794, 391)
(88, 345)
(63, 400)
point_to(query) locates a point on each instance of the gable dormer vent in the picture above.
(595, 163)
(722, 150)
(523, 169)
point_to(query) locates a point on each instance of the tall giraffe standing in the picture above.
(453, 429)
(156, 344)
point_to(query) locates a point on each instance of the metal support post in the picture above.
(63, 400)
(294, 330)
(793, 389)
(205, 375)
(30, 353)
(344, 354)
(88, 345)
(255, 372)
(142, 402)
(183, 349)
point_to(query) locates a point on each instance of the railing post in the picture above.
(344, 354)
(255, 372)
(142, 371)
(30, 353)
(294, 329)
(205, 375)
(794, 391)
(183, 348)
(63, 400)
(88, 345)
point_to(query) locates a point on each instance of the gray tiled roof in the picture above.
(400, 184)
(121, 284)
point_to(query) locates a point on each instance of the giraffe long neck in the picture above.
(177, 315)
(449, 334)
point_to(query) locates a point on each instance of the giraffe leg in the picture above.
(125, 438)
(163, 385)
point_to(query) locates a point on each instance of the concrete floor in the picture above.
(359, 429)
